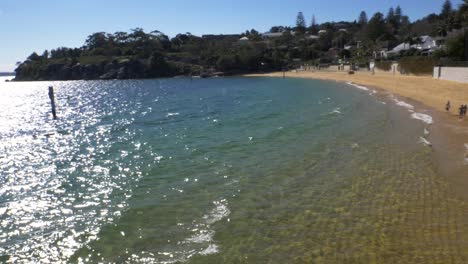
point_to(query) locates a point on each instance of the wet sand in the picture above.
(448, 134)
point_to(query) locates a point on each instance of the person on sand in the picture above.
(465, 107)
(461, 110)
(447, 106)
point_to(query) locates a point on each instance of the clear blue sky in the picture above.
(36, 25)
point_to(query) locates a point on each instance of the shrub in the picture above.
(417, 65)
(383, 65)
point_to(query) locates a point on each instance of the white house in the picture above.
(244, 39)
(312, 37)
(426, 44)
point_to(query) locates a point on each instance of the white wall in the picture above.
(457, 74)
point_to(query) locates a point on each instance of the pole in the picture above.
(52, 101)
(466, 43)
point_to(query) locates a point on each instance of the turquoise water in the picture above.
(221, 170)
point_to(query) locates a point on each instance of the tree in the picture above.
(276, 29)
(362, 19)
(463, 12)
(376, 27)
(391, 15)
(300, 23)
(45, 54)
(398, 14)
(442, 29)
(456, 47)
(34, 57)
(313, 25)
(405, 26)
(96, 40)
(447, 9)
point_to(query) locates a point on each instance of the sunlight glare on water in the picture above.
(223, 170)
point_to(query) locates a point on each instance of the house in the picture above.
(380, 54)
(401, 47)
(323, 31)
(312, 37)
(425, 44)
(244, 39)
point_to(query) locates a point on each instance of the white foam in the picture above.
(425, 141)
(423, 117)
(172, 114)
(211, 249)
(202, 237)
(219, 212)
(426, 132)
(404, 104)
(358, 86)
(336, 111)
(204, 232)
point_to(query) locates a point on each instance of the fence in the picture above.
(457, 74)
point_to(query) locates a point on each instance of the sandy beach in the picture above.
(448, 134)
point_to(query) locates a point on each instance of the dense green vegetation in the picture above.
(138, 54)
(384, 65)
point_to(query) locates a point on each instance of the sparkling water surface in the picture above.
(233, 170)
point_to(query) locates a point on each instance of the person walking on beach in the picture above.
(465, 107)
(447, 106)
(461, 111)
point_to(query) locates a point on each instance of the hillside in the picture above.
(138, 54)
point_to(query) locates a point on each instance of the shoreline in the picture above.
(448, 134)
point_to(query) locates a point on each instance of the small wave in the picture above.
(425, 141)
(335, 111)
(204, 235)
(219, 212)
(358, 86)
(423, 117)
(404, 104)
(426, 132)
(211, 249)
(172, 114)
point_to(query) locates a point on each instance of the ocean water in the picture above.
(226, 170)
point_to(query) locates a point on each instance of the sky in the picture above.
(36, 25)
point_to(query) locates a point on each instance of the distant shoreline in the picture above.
(448, 134)
(7, 74)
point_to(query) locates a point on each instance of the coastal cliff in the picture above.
(139, 55)
(101, 69)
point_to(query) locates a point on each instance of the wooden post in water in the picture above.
(52, 101)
